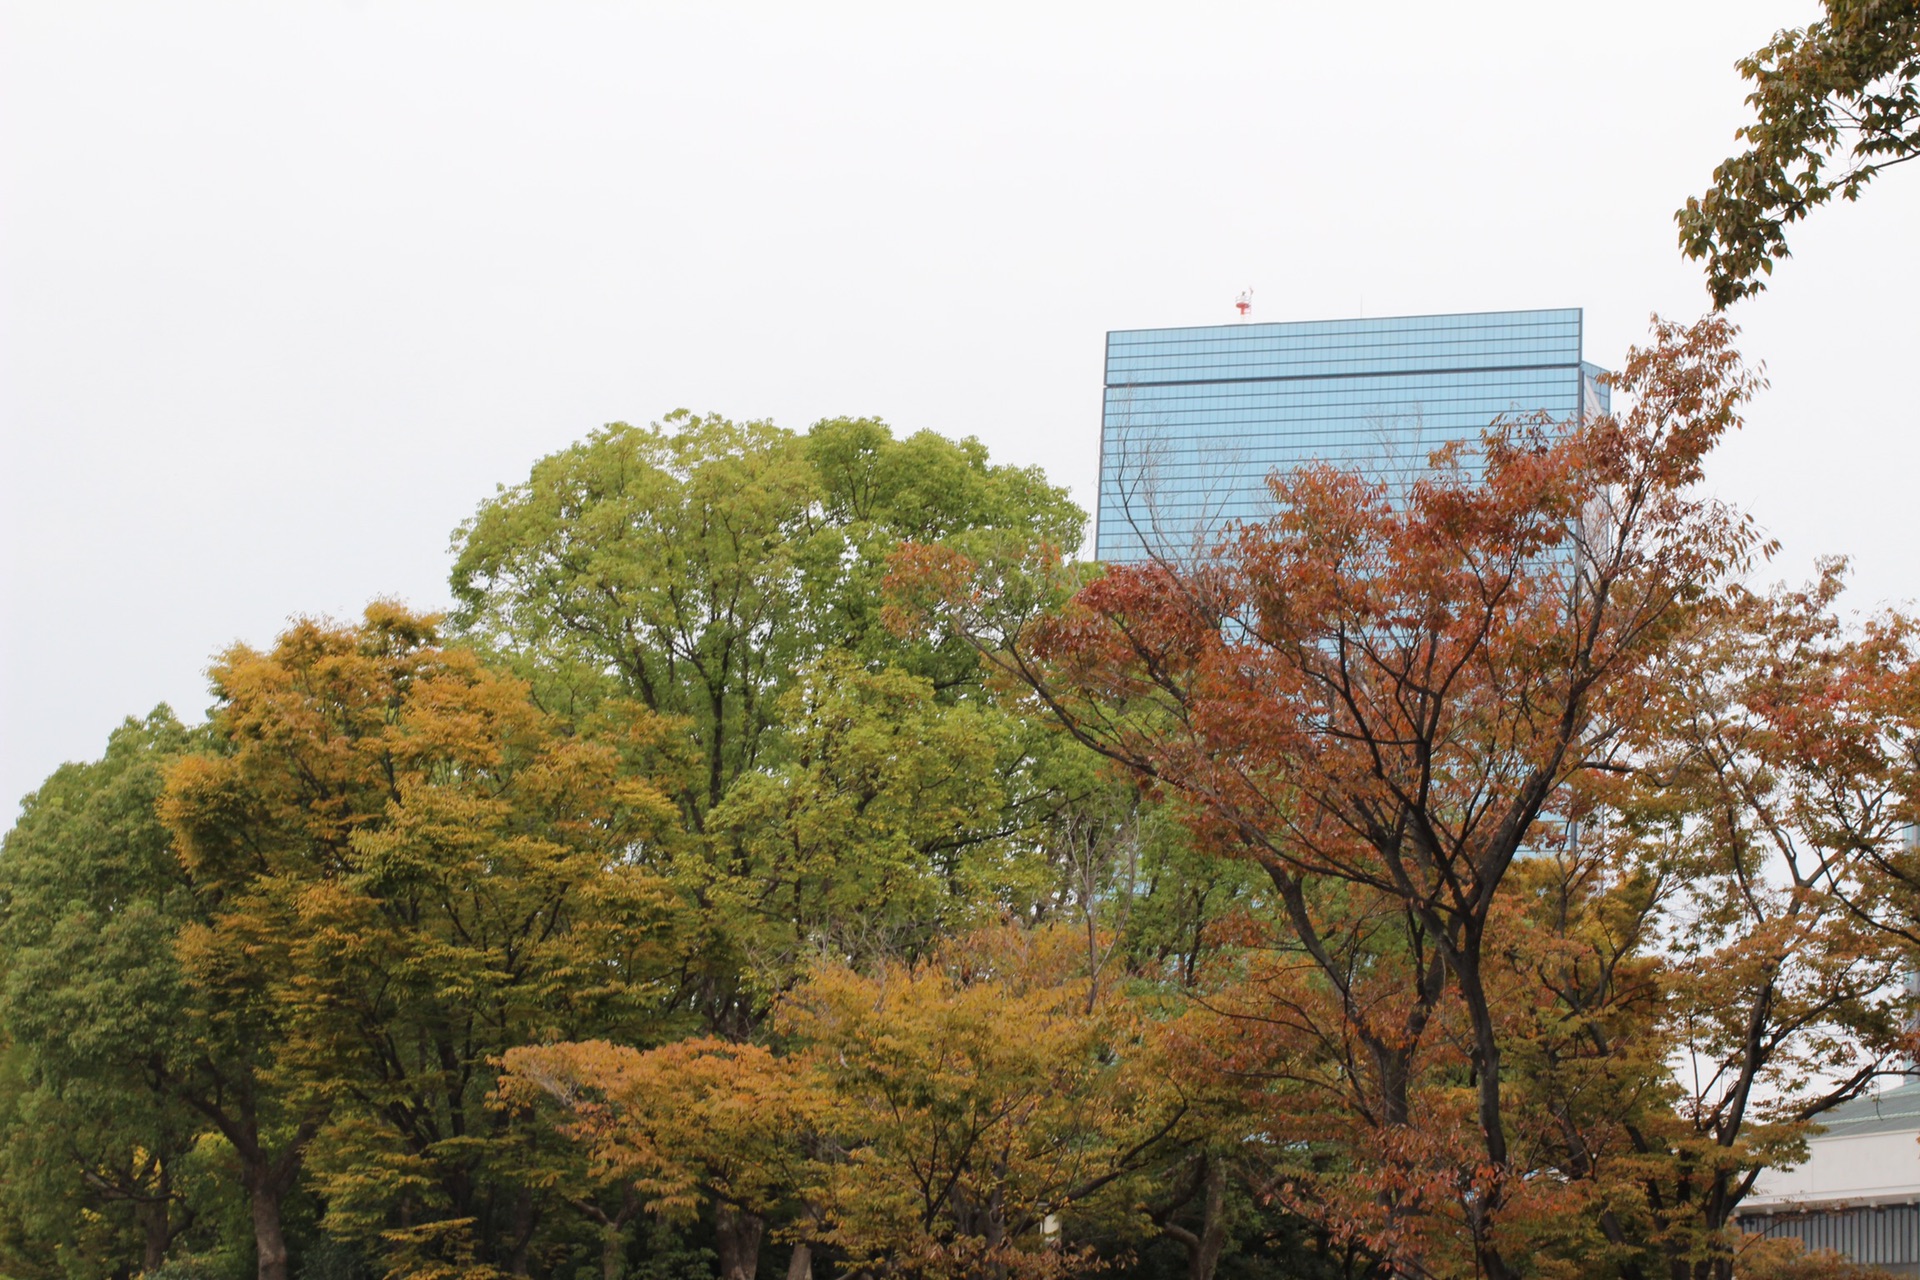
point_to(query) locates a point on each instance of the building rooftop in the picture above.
(1892, 1111)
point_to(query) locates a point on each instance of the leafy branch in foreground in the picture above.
(1835, 103)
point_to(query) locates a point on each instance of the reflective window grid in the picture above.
(1196, 419)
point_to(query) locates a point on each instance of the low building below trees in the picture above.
(1858, 1191)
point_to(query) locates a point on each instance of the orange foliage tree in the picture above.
(676, 1128)
(965, 1116)
(1387, 697)
(981, 1105)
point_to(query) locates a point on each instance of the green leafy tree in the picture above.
(699, 565)
(891, 822)
(727, 576)
(878, 492)
(113, 1054)
(1835, 102)
(668, 564)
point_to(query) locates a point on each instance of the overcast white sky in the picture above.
(286, 289)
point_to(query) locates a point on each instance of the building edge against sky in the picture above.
(1195, 419)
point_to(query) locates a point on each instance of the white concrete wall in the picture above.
(1867, 1169)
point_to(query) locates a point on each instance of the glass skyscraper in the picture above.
(1196, 419)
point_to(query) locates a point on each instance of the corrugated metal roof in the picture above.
(1893, 1111)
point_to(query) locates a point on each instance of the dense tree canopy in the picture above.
(790, 860)
(700, 566)
(838, 778)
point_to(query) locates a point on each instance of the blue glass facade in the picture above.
(1196, 419)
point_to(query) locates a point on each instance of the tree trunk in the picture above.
(1205, 1256)
(266, 1178)
(1485, 1213)
(613, 1251)
(156, 1227)
(1205, 1245)
(801, 1267)
(269, 1242)
(524, 1222)
(737, 1233)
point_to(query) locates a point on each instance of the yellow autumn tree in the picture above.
(980, 1104)
(699, 1123)
(416, 868)
(963, 1116)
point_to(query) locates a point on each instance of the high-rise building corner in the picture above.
(1195, 419)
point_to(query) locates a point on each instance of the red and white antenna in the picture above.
(1245, 303)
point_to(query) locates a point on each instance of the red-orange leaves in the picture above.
(1383, 695)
